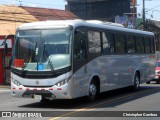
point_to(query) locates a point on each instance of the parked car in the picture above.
(157, 73)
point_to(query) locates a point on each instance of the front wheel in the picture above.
(92, 91)
(44, 100)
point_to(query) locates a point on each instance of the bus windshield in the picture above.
(42, 49)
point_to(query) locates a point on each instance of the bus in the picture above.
(74, 58)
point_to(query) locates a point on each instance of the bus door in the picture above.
(80, 53)
(79, 61)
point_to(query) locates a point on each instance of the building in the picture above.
(105, 10)
(11, 17)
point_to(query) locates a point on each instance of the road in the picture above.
(111, 104)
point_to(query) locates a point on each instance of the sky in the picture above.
(152, 7)
(55, 4)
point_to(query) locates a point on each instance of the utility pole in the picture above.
(143, 14)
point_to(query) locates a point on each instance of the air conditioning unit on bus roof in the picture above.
(104, 22)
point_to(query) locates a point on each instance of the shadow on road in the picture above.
(110, 99)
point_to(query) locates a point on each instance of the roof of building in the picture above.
(13, 16)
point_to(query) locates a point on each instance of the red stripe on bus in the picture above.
(27, 89)
(35, 89)
(20, 88)
(59, 88)
(157, 68)
(13, 88)
(42, 88)
(50, 88)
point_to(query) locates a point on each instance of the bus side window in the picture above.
(120, 43)
(139, 44)
(152, 45)
(130, 40)
(94, 42)
(108, 43)
(79, 45)
(147, 45)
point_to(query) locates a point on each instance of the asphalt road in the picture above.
(111, 105)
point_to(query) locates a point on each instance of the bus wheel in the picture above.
(92, 91)
(158, 81)
(148, 82)
(44, 100)
(136, 82)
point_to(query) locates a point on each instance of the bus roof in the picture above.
(77, 23)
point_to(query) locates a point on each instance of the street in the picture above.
(147, 98)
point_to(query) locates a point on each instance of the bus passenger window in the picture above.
(79, 46)
(147, 45)
(130, 40)
(152, 45)
(139, 45)
(120, 43)
(108, 43)
(94, 41)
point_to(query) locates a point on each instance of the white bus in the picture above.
(74, 58)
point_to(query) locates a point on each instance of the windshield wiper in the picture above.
(49, 61)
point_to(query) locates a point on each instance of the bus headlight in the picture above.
(63, 82)
(16, 82)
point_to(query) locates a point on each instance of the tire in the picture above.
(136, 84)
(44, 100)
(158, 81)
(148, 82)
(93, 91)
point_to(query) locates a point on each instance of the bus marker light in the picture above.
(20, 88)
(27, 89)
(59, 88)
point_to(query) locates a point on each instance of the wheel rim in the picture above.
(92, 90)
(137, 82)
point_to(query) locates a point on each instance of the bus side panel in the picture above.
(114, 71)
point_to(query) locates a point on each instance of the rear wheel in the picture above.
(158, 81)
(136, 82)
(148, 82)
(93, 91)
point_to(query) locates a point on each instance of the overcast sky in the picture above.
(152, 7)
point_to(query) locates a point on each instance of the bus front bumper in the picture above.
(49, 93)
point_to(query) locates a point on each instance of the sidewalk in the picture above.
(5, 86)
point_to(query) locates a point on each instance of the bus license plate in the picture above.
(37, 97)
